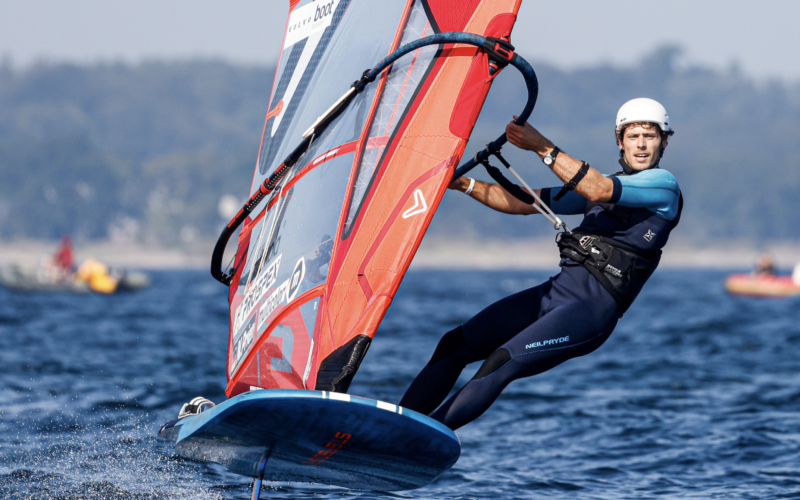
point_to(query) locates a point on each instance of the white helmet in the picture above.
(643, 110)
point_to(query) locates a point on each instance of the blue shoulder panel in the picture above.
(655, 189)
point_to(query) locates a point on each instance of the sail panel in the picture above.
(317, 267)
(369, 265)
(401, 83)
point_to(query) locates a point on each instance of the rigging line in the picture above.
(550, 215)
(547, 212)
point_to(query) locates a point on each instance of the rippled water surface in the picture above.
(695, 395)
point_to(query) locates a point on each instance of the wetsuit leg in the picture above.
(579, 315)
(474, 341)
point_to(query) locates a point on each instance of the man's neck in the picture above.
(629, 171)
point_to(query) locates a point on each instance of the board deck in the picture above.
(319, 437)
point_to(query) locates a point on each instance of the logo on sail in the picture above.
(308, 20)
(242, 342)
(285, 292)
(255, 291)
(420, 205)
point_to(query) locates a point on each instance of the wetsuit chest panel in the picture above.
(647, 207)
(620, 243)
(640, 228)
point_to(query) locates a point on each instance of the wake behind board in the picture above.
(318, 437)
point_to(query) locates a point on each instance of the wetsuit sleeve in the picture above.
(571, 204)
(655, 189)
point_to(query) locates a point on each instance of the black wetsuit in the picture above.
(568, 316)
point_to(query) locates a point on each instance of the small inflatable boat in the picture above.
(19, 278)
(762, 286)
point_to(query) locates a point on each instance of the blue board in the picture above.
(318, 437)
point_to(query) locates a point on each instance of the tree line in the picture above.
(147, 152)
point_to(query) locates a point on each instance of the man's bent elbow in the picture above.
(597, 196)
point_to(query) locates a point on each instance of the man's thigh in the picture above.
(503, 320)
(567, 331)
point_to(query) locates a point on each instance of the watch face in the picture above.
(548, 160)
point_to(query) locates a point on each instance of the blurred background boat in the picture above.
(58, 274)
(101, 280)
(762, 286)
(764, 281)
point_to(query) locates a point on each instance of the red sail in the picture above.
(318, 266)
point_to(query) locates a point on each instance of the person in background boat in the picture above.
(64, 259)
(605, 262)
(765, 266)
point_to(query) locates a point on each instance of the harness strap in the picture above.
(530, 197)
(619, 268)
(506, 184)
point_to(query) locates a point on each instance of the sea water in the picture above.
(695, 395)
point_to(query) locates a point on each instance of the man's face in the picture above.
(642, 146)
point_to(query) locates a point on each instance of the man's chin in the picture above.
(637, 166)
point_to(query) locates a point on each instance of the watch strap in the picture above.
(552, 154)
(573, 182)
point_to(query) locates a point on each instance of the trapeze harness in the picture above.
(621, 267)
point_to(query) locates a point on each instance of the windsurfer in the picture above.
(605, 262)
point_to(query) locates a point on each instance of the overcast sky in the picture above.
(762, 37)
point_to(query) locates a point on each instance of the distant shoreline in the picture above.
(540, 253)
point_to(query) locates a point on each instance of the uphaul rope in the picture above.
(501, 53)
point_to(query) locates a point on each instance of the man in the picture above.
(605, 262)
(64, 260)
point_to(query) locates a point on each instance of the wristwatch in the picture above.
(550, 157)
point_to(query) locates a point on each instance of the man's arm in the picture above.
(654, 189)
(595, 187)
(495, 197)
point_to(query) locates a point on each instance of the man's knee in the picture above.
(494, 362)
(451, 343)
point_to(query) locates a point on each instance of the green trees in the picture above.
(146, 152)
